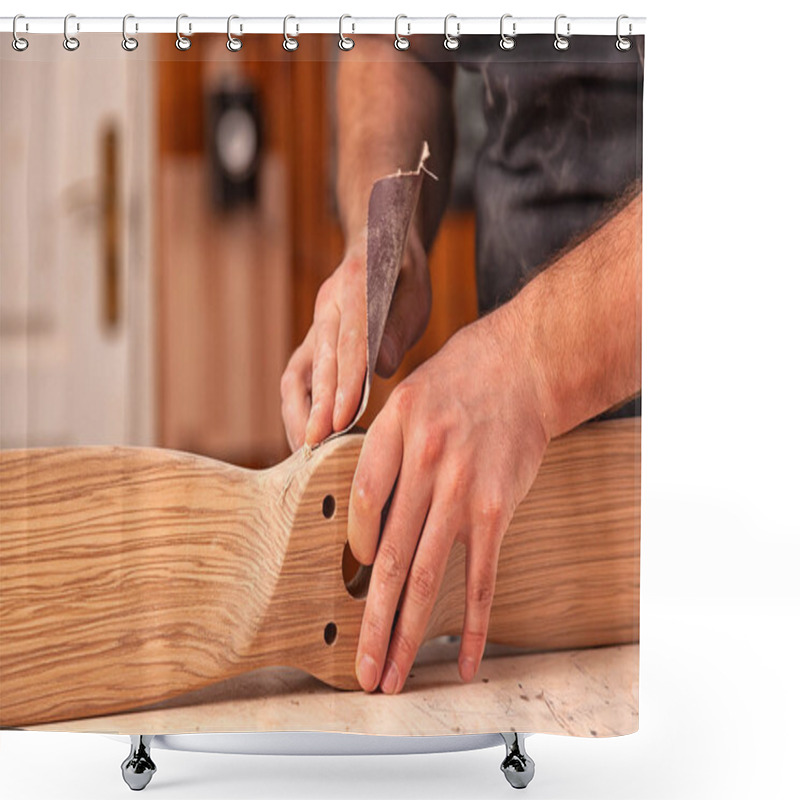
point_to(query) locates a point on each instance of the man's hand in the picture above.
(321, 385)
(462, 439)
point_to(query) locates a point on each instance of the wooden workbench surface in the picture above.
(592, 692)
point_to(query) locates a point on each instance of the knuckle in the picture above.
(404, 646)
(324, 351)
(422, 584)
(373, 627)
(473, 638)
(481, 593)
(458, 475)
(389, 564)
(350, 337)
(492, 513)
(432, 445)
(403, 397)
(352, 269)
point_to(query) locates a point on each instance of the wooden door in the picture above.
(75, 352)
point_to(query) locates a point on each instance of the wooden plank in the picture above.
(131, 575)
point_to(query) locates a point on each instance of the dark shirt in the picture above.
(563, 143)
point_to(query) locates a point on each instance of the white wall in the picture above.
(720, 603)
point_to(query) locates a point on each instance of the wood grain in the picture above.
(128, 576)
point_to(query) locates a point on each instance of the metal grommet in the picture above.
(560, 42)
(71, 43)
(623, 43)
(345, 42)
(181, 42)
(400, 42)
(507, 42)
(233, 44)
(451, 42)
(18, 43)
(289, 43)
(128, 42)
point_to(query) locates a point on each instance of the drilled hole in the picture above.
(330, 633)
(328, 506)
(355, 574)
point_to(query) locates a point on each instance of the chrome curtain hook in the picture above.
(128, 42)
(289, 43)
(71, 43)
(345, 42)
(400, 42)
(623, 43)
(18, 43)
(451, 42)
(560, 42)
(181, 42)
(234, 44)
(507, 42)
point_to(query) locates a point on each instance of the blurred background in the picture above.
(166, 219)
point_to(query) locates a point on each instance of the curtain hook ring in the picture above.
(400, 42)
(345, 42)
(289, 42)
(182, 42)
(507, 42)
(622, 43)
(18, 43)
(129, 43)
(451, 42)
(560, 42)
(234, 43)
(71, 43)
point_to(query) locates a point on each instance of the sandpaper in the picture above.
(392, 204)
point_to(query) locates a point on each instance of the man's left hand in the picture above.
(462, 438)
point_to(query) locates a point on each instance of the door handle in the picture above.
(111, 283)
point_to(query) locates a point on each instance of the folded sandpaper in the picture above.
(392, 204)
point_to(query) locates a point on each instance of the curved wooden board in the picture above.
(128, 575)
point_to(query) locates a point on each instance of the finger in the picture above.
(481, 573)
(408, 317)
(323, 378)
(351, 360)
(375, 476)
(421, 590)
(392, 561)
(296, 392)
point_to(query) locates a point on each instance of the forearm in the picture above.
(388, 104)
(577, 327)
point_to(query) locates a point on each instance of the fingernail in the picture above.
(367, 672)
(467, 667)
(391, 683)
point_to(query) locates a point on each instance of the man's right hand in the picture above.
(321, 385)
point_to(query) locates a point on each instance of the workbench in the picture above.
(588, 692)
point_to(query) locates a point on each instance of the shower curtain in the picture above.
(220, 266)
